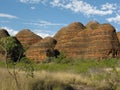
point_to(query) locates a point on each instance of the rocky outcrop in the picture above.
(27, 38)
(42, 49)
(92, 41)
(67, 33)
(98, 43)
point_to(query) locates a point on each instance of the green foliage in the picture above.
(60, 58)
(27, 66)
(76, 65)
(9, 43)
(11, 47)
(48, 60)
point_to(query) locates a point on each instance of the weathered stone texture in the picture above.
(67, 33)
(27, 38)
(92, 41)
(40, 50)
(100, 43)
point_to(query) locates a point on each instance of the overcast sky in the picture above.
(46, 17)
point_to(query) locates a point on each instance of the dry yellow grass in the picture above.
(62, 76)
(8, 83)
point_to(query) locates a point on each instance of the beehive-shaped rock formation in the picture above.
(100, 43)
(67, 33)
(27, 38)
(40, 50)
(3, 33)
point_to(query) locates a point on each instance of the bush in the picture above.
(62, 59)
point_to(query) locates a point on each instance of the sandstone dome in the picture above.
(100, 43)
(37, 51)
(27, 38)
(69, 31)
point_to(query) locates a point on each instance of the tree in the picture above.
(12, 50)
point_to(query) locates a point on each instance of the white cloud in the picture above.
(114, 19)
(4, 21)
(109, 6)
(3, 15)
(32, 8)
(78, 6)
(44, 23)
(10, 31)
(33, 1)
(43, 33)
(84, 7)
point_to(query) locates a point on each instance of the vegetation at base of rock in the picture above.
(68, 65)
(11, 47)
